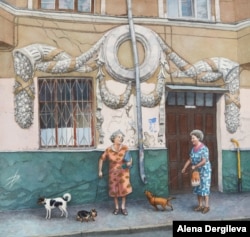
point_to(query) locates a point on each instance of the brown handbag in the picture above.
(195, 178)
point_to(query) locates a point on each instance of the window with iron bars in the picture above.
(86, 6)
(189, 9)
(66, 112)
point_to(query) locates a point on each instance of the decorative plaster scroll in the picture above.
(111, 100)
(124, 75)
(24, 90)
(99, 123)
(99, 116)
(151, 48)
(56, 61)
(52, 60)
(232, 100)
(152, 99)
(47, 59)
(161, 133)
(210, 70)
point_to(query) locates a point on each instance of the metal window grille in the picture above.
(66, 112)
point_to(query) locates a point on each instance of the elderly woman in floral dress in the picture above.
(119, 171)
(199, 159)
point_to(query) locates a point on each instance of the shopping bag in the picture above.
(195, 178)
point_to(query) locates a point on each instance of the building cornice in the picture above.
(122, 20)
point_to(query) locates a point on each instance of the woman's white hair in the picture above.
(115, 134)
(198, 133)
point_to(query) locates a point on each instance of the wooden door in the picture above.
(182, 116)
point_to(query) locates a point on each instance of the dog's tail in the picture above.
(67, 197)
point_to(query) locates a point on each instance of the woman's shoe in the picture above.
(205, 210)
(124, 212)
(199, 208)
(116, 211)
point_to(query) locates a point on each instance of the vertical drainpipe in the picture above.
(138, 93)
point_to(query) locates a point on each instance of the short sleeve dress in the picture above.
(119, 177)
(205, 171)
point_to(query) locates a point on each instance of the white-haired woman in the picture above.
(199, 160)
(119, 171)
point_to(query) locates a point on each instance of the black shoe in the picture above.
(116, 211)
(124, 212)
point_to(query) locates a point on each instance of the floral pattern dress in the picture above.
(119, 177)
(196, 156)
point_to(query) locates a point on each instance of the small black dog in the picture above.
(86, 215)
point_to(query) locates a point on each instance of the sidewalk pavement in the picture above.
(141, 216)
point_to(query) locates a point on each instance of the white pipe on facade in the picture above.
(30, 4)
(103, 7)
(138, 93)
(217, 10)
(160, 8)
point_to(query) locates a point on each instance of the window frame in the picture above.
(70, 101)
(75, 8)
(191, 98)
(195, 17)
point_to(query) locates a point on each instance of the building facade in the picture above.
(71, 75)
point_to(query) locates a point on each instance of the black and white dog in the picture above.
(51, 203)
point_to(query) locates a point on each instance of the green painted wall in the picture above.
(25, 176)
(230, 171)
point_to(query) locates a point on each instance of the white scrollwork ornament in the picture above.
(40, 57)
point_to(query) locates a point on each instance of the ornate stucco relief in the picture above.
(158, 56)
(210, 70)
